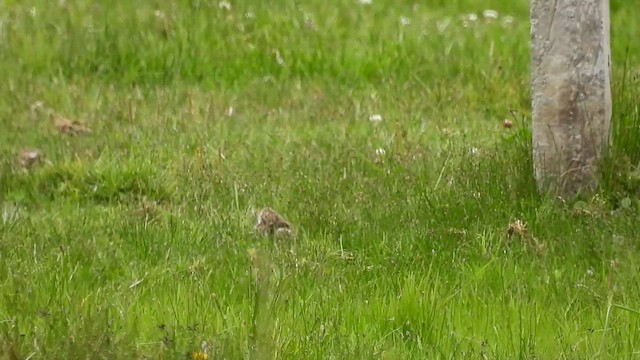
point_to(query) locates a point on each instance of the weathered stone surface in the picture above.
(570, 68)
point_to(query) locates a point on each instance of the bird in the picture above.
(270, 222)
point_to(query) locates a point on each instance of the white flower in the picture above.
(37, 106)
(490, 14)
(250, 15)
(405, 21)
(375, 118)
(471, 17)
(224, 5)
(365, 2)
(507, 20)
(474, 150)
(590, 271)
(380, 151)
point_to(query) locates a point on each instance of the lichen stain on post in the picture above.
(570, 69)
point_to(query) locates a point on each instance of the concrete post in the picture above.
(570, 69)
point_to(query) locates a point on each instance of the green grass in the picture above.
(135, 240)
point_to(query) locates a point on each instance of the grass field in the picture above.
(376, 129)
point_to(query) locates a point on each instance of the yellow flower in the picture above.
(200, 356)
